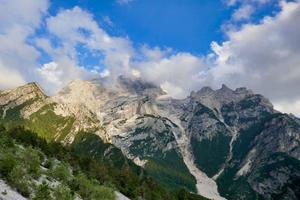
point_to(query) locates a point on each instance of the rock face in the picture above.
(224, 142)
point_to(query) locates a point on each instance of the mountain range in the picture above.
(220, 144)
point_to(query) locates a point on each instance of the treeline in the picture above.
(78, 174)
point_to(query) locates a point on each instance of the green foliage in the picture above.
(243, 144)
(11, 167)
(46, 123)
(90, 189)
(49, 163)
(109, 159)
(170, 171)
(103, 193)
(42, 192)
(22, 185)
(94, 147)
(210, 154)
(7, 163)
(235, 188)
(63, 192)
(31, 159)
(90, 178)
(184, 195)
(61, 172)
(15, 175)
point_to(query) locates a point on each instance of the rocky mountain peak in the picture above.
(225, 88)
(214, 99)
(22, 94)
(29, 88)
(205, 90)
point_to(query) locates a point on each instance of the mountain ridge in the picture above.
(219, 133)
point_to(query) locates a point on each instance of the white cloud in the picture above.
(108, 21)
(244, 9)
(10, 78)
(18, 21)
(288, 106)
(75, 27)
(180, 70)
(173, 90)
(264, 57)
(26, 13)
(57, 74)
(52, 73)
(243, 13)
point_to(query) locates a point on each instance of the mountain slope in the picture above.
(31, 168)
(213, 141)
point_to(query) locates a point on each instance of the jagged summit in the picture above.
(32, 87)
(225, 88)
(215, 99)
(31, 91)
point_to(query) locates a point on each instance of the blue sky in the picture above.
(184, 25)
(181, 45)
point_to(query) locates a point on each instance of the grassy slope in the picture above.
(91, 172)
(44, 122)
(210, 154)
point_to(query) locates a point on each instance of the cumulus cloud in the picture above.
(25, 13)
(288, 106)
(108, 21)
(243, 13)
(10, 78)
(179, 71)
(244, 9)
(18, 21)
(264, 56)
(75, 27)
(57, 74)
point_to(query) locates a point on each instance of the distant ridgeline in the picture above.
(129, 136)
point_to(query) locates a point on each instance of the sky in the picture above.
(181, 45)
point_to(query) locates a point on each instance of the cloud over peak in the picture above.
(263, 56)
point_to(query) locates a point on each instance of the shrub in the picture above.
(49, 163)
(5, 141)
(42, 192)
(61, 172)
(103, 193)
(7, 163)
(63, 192)
(31, 159)
(16, 175)
(84, 186)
